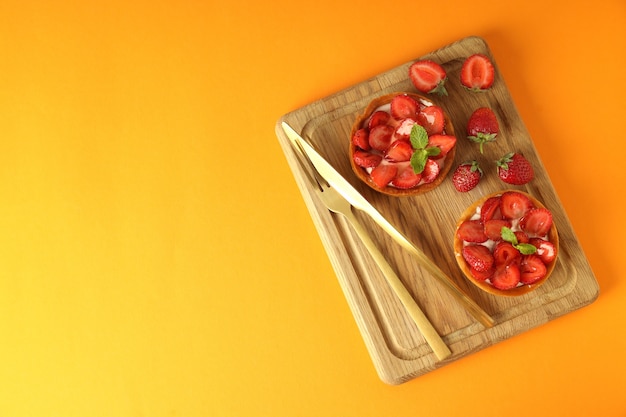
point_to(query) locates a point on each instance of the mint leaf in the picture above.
(526, 248)
(508, 235)
(418, 160)
(419, 137)
(419, 141)
(433, 151)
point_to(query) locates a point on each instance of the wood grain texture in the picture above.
(398, 350)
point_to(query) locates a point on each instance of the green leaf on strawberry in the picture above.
(419, 141)
(524, 248)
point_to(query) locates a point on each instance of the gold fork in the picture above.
(337, 204)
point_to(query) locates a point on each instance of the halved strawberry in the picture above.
(504, 253)
(428, 77)
(443, 142)
(514, 205)
(478, 257)
(430, 172)
(545, 249)
(366, 159)
(432, 119)
(472, 231)
(482, 275)
(532, 269)
(383, 174)
(403, 106)
(379, 117)
(380, 137)
(406, 178)
(506, 276)
(399, 151)
(536, 222)
(403, 130)
(490, 209)
(477, 73)
(493, 228)
(361, 139)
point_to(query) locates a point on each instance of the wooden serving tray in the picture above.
(398, 350)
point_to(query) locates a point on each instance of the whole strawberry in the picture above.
(514, 168)
(482, 126)
(466, 176)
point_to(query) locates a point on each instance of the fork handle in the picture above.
(433, 339)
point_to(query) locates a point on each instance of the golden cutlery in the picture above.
(356, 200)
(337, 204)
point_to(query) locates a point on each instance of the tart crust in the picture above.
(552, 236)
(363, 175)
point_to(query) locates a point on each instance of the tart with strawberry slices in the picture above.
(506, 243)
(402, 145)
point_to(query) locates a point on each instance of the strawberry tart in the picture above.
(506, 243)
(402, 145)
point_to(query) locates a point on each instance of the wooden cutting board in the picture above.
(398, 350)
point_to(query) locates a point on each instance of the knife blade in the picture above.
(358, 201)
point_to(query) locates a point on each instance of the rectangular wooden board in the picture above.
(398, 350)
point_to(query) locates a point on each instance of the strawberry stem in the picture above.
(440, 89)
(482, 138)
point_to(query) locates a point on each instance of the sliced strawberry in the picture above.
(522, 237)
(431, 171)
(380, 137)
(383, 174)
(506, 276)
(406, 178)
(403, 131)
(428, 77)
(505, 252)
(472, 231)
(399, 151)
(493, 228)
(432, 119)
(443, 142)
(490, 209)
(403, 106)
(545, 249)
(366, 159)
(532, 269)
(361, 139)
(537, 222)
(477, 73)
(514, 205)
(379, 117)
(478, 257)
(482, 275)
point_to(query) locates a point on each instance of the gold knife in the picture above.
(337, 181)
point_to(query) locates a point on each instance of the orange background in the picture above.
(157, 258)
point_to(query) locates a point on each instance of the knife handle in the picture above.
(426, 328)
(470, 305)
